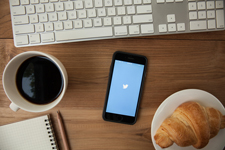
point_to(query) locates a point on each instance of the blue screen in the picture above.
(125, 88)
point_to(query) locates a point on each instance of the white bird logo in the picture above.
(125, 86)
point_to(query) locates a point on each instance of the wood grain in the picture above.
(176, 62)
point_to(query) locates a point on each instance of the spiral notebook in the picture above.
(32, 134)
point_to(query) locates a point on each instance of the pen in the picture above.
(62, 131)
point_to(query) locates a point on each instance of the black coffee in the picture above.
(39, 80)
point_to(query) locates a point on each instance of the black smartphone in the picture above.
(126, 78)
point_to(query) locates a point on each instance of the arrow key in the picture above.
(172, 27)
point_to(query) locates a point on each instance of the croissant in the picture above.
(190, 124)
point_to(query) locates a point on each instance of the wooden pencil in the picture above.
(62, 131)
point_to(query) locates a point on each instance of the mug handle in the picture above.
(14, 107)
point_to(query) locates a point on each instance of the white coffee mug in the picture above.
(10, 87)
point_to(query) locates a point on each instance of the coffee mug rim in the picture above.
(63, 73)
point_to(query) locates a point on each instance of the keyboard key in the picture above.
(193, 15)
(24, 29)
(88, 23)
(68, 5)
(147, 1)
(169, 1)
(219, 4)
(68, 25)
(83, 34)
(120, 30)
(88, 4)
(33, 18)
(181, 27)
(160, 1)
(58, 25)
(137, 2)
(198, 25)
(48, 26)
(211, 24)
(25, 2)
(117, 21)
(128, 2)
(211, 14)
(79, 5)
(118, 2)
(39, 27)
(171, 18)
(192, 6)
(47, 37)
(20, 20)
(43, 18)
(78, 24)
(107, 21)
(15, 2)
(59, 6)
(52, 17)
(162, 28)
(101, 12)
(72, 15)
(127, 20)
(111, 11)
(178, 0)
(40, 8)
(49, 7)
(19, 10)
(34, 1)
(91, 13)
(147, 28)
(108, 3)
(210, 5)
(98, 3)
(98, 22)
(201, 5)
(142, 18)
(21, 40)
(131, 10)
(62, 15)
(201, 14)
(172, 27)
(30, 9)
(35, 38)
(121, 11)
(44, 1)
(145, 9)
(134, 30)
(220, 18)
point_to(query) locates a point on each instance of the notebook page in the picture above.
(31, 134)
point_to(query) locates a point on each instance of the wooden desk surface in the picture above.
(176, 62)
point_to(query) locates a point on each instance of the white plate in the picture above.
(168, 106)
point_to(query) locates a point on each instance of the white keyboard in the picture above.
(41, 22)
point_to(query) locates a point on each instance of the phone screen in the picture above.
(125, 88)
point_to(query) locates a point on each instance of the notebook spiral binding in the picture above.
(51, 134)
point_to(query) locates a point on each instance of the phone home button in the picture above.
(120, 118)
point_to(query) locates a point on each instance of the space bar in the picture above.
(83, 33)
